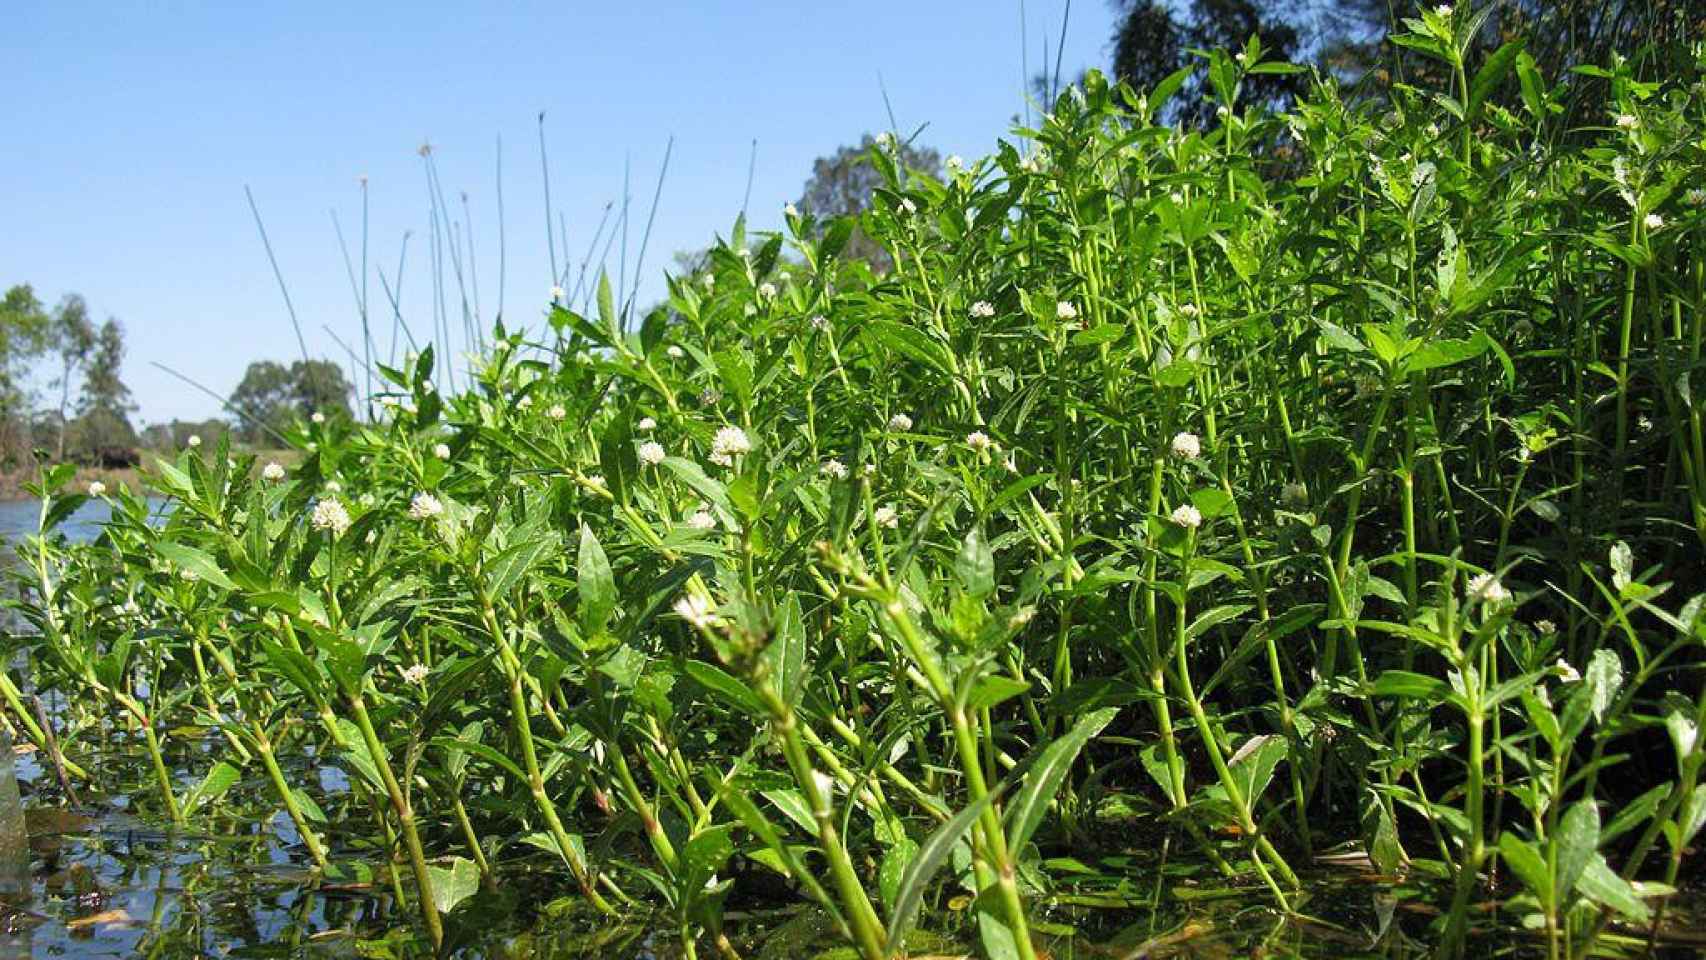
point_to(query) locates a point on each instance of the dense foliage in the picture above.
(1319, 478)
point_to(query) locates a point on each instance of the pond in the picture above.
(106, 881)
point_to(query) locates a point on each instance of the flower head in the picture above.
(272, 472)
(1567, 673)
(1486, 588)
(556, 294)
(97, 488)
(194, 440)
(1626, 121)
(330, 515)
(696, 610)
(416, 674)
(982, 310)
(425, 506)
(790, 211)
(886, 516)
(979, 441)
(318, 417)
(900, 423)
(833, 469)
(1187, 516)
(647, 423)
(1696, 197)
(1186, 446)
(819, 322)
(1653, 221)
(1065, 310)
(675, 352)
(556, 412)
(702, 519)
(955, 163)
(767, 291)
(1443, 11)
(441, 451)
(652, 453)
(731, 442)
(1545, 628)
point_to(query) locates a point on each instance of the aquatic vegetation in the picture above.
(1314, 480)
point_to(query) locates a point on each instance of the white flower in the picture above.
(1653, 221)
(425, 506)
(526, 402)
(721, 459)
(441, 451)
(194, 440)
(1545, 628)
(1020, 617)
(1696, 197)
(767, 291)
(416, 674)
(790, 211)
(1443, 10)
(652, 453)
(556, 412)
(97, 488)
(820, 323)
(1644, 423)
(982, 310)
(900, 423)
(702, 520)
(647, 423)
(731, 442)
(979, 441)
(1487, 589)
(675, 352)
(833, 469)
(1189, 309)
(1567, 673)
(907, 205)
(750, 310)
(886, 517)
(1186, 446)
(710, 281)
(1626, 121)
(1065, 310)
(955, 163)
(1011, 464)
(1187, 516)
(556, 294)
(272, 472)
(318, 417)
(885, 140)
(595, 480)
(330, 515)
(695, 610)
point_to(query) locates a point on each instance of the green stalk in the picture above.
(405, 819)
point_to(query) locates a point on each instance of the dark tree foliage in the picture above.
(843, 183)
(273, 395)
(1150, 43)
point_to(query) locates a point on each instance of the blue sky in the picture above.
(132, 130)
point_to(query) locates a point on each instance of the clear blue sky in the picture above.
(133, 128)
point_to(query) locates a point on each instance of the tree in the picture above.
(73, 338)
(23, 334)
(271, 395)
(843, 183)
(1150, 44)
(103, 422)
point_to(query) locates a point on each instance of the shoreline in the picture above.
(12, 482)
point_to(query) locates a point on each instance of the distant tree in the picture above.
(73, 337)
(103, 421)
(271, 395)
(1150, 44)
(843, 183)
(24, 324)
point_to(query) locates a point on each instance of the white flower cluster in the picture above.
(1486, 588)
(730, 442)
(1186, 446)
(702, 519)
(652, 453)
(441, 451)
(982, 310)
(97, 488)
(833, 469)
(980, 442)
(1187, 516)
(416, 674)
(425, 506)
(886, 517)
(330, 515)
(900, 423)
(272, 472)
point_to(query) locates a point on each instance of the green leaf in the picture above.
(453, 884)
(911, 342)
(713, 491)
(895, 862)
(1404, 683)
(597, 584)
(1043, 780)
(923, 867)
(1578, 841)
(1603, 886)
(727, 688)
(975, 565)
(1526, 862)
(507, 569)
(222, 777)
(994, 689)
(1492, 72)
(196, 562)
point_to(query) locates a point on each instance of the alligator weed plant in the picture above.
(1319, 482)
